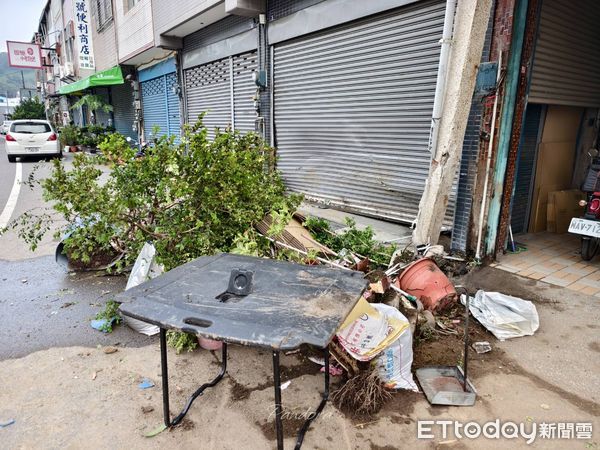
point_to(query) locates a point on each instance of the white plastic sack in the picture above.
(144, 269)
(505, 316)
(395, 362)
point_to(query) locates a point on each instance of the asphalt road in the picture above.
(41, 305)
(7, 175)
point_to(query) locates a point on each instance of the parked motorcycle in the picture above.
(141, 147)
(588, 226)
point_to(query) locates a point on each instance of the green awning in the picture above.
(107, 77)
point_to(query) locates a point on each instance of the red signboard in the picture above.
(24, 55)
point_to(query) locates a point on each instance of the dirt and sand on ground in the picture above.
(80, 396)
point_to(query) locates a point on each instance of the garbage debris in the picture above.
(285, 385)
(103, 325)
(346, 362)
(334, 370)
(295, 235)
(146, 384)
(144, 269)
(366, 332)
(381, 286)
(159, 429)
(395, 361)
(482, 347)
(210, 344)
(504, 316)
(424, 280)
(109, 350)
(434, 250)
(6, 423)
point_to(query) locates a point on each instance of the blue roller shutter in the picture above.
(172, 104)
(160, 103)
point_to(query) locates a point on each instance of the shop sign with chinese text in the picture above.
(24, 54)
(83, 34)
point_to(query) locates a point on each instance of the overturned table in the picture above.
(249, 301)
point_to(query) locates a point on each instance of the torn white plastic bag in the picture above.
(504, 316)
(394, 363)
(144, 269)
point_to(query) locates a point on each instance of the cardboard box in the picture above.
(562, 207)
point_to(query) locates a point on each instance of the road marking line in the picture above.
(11, 203)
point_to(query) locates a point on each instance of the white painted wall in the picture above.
(134, 28)
(169, 14)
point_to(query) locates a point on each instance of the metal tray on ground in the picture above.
(444, 385)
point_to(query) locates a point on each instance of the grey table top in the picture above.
(290, 304)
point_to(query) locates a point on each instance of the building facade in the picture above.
(344, 90)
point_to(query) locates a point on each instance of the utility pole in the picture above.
(472, 18)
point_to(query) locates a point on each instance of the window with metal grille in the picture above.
(102, 11)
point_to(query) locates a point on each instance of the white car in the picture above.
(31, 137)
(5, 126)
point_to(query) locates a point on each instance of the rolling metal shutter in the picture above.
(567, 54)
(154, 107)
(525, 169)
(124, 116)
(208, 88)
(160, 106)
(244, 90)
(102, 117)
(352, 110)
(224, 89)
(174, 125)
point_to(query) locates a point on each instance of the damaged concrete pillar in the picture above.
(467, 44)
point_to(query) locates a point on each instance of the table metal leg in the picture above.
(278, 411)
(278, 408)
(164, 376)
(199, 391)
(312, 416)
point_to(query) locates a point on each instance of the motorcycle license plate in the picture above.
(585, 227)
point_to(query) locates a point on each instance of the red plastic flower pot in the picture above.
(428, 283)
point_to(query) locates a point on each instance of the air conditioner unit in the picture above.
(69, 70)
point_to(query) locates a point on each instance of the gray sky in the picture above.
(20, 20)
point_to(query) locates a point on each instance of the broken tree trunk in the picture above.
(467, 44)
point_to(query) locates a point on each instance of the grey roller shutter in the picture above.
(244, 90)
(124, 116)
(103, 117)
(567, 56)
(225, 89)
(353, 108)
(208, 89)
